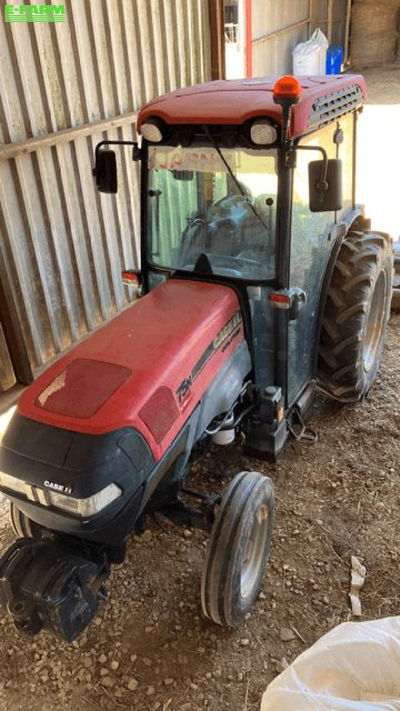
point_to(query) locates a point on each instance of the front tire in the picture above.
(238, 549)
(23, 526)
(355, 316)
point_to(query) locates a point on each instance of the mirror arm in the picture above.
(136, 151)
(322, 185)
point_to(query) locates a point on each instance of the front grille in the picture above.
(331, 106)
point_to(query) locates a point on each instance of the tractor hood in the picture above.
(147, 369)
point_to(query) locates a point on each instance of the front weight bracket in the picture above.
(52, 584)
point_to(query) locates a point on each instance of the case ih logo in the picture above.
(34, 13)
(62, 488)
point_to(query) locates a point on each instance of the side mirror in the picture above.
(105, 171)
(325, 188)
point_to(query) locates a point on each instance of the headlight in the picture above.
(262, 133)
(80, 507)
(11, 482)
(151, 131)
(86, 507)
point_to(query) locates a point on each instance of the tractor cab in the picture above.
(251, 183)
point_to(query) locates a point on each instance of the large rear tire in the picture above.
(355, 316)
(238, 549)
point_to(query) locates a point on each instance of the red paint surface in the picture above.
(233, 102)
(159, 340)
(249, 46)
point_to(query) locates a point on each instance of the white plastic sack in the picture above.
(355, 667)
(310, 57)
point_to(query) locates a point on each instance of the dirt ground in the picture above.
(150, 649)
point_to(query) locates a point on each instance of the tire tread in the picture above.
(216, 597)
(347, 303)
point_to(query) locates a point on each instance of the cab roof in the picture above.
(223, 102)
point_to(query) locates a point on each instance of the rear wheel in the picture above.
(238, 549)
(23, 526)
(355, 316)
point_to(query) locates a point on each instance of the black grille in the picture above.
(331, 106)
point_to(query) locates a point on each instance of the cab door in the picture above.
(310, 249)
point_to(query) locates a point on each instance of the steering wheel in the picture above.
(195, 222)
(229, 201)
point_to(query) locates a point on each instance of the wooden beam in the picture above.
(10, 150)
(347, 32)
(330, 19)
(217, 32)
(311, 16)
(281, 31)
(249, 40)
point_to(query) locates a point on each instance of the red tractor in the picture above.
(260, 281)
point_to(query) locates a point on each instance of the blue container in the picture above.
(334, 59)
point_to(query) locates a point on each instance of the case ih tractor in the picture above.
(260, 281)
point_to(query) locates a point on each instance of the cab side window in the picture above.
(310, 247)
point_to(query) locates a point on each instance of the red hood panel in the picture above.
(147, 368)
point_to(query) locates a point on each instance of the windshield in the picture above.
(206, 216)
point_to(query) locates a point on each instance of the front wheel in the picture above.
(238, 549)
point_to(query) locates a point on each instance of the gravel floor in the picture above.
(150, 649)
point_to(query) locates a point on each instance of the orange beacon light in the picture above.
(287, 90)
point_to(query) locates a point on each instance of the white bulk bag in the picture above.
(355, 667)
(310, 57)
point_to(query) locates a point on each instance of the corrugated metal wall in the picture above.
(62, 244)
(277, 27)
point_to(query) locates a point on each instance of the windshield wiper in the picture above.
(233, 176)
